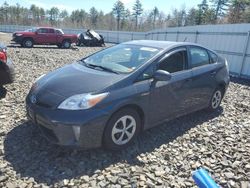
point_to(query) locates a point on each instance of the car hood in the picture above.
(70, 80)
(24, 32)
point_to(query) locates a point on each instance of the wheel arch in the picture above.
(222, 86)
(66, 39)
(25, 38)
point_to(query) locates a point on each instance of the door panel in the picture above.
(51, 36)
(204, 83)
(42, 36)
(169, 99)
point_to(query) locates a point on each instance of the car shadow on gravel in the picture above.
(31, 155)
(241, 81)
(3, 92)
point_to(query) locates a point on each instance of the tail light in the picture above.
(3, 56)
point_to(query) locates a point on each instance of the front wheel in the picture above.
(216, 99)
(27, 43)
(121, 129)
(66, 44)
(78, 43)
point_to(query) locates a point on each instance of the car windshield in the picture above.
(59, 31)
(121, 58)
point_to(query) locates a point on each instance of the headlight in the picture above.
(82, 101)
(19, 34)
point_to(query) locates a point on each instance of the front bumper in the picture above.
(80, 129)
(6, 72)
(17, 39)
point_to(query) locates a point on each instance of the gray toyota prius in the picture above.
(109, 97)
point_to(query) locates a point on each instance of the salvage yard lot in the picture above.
(163, 156)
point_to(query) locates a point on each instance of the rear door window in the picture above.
(199, 57)
(51, 31)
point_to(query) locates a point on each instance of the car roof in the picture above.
(160, 44)
(45, 28)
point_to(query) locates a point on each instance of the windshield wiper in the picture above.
(103, 68)
(98, 66)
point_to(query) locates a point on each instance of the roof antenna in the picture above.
(185, 39)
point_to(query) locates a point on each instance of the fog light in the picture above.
(77, 130)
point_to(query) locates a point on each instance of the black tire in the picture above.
(66, 44)
(216, 99)
(108, 138)
(3, 92)
(59, 45)
(78, 43)
(28, 43)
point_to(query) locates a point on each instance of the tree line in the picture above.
(122, 18)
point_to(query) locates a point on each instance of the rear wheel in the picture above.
(121, 129)
(27, 43)
(216, 99)
(66, 44)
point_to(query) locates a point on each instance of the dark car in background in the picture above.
(44, 36)
(6, 67)
(90, 38)
(106, 99)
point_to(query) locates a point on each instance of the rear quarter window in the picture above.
(213, 57)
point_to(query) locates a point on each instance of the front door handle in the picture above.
(188, 79)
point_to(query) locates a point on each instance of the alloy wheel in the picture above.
(123, 130)
(216, 99)
(28, 43)
(66, 44)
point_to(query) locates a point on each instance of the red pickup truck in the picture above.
(44, 35)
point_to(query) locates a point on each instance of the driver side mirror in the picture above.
(161, 75)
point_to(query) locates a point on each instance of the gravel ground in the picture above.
(164, 156)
